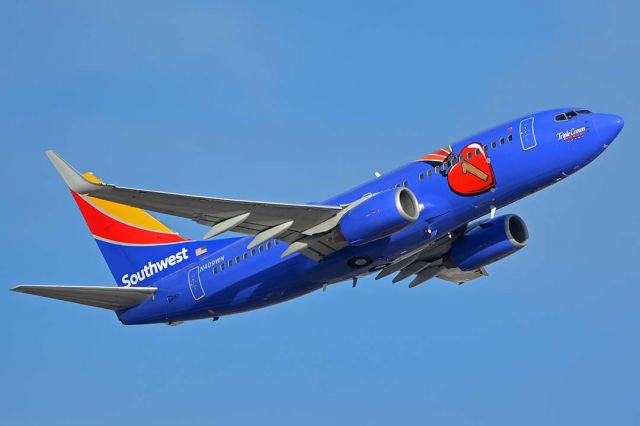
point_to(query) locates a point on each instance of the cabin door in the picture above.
(194, 283)
(527, 136)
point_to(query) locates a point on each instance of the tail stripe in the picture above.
(106, 227)
(127, 214)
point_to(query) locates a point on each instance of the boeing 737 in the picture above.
(432, 218)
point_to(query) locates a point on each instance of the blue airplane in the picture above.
(421, 221)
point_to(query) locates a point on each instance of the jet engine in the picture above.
(379, 216)
(489, 242)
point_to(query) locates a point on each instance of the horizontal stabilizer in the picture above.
(114, 298)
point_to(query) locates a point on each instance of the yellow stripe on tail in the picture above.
(131, 215)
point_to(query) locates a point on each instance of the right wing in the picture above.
(305, 227)
(114, 298)
(428, 263)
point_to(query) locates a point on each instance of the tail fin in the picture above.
(137, 247)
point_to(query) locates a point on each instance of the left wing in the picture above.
(304, 226)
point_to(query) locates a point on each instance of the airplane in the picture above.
(432, 218)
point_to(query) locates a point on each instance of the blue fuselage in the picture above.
(526, 155)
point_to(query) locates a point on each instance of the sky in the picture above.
(295, 102)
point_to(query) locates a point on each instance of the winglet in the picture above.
(76, 182)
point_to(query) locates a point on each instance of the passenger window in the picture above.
(437, 169)
(477, 151)
(510, 138)
(493, 144)
(245, 256)
(276, 242)
(501, 141)
(237, 259)
(253, 252)
(222, 267)
(215, 270)
(397, 185)
(486, 148)
(429, 172)
(261, 249)
(421, 176)
(230, 263)
(269, 245)
(405, 183)
(469, 154)
(444, 166)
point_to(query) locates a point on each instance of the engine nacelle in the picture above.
(489, 242)
(379, 216)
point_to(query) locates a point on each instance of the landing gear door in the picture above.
(527, 135)
(194, 283)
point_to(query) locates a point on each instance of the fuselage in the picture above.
(524, 155)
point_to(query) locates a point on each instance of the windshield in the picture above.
(571, 114)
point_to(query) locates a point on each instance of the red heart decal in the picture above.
(472, 174)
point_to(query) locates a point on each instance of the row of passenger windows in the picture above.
(570, 114)
(448, 164)
(253, 252)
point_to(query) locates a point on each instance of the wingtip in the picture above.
(74, 180)
(22, 288)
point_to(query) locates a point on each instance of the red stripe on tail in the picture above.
(108, 228)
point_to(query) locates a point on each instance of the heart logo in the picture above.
(472, 174)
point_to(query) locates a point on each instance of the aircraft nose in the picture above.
(608, 126)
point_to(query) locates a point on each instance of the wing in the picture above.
(304, 226)
(428, 263)
(114, 298)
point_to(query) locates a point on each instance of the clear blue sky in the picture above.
(286, 101)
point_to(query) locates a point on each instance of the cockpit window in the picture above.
(570, 114)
